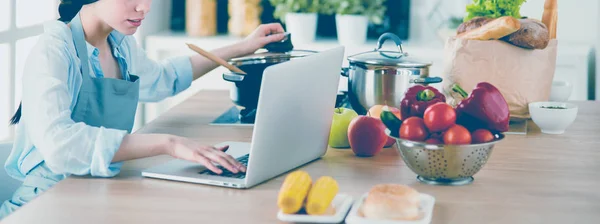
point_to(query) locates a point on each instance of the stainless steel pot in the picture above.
(381, 77)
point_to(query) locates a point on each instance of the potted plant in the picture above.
(353, 17)
(299, 17)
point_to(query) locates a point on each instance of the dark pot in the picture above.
(246, 90)
(247, 86)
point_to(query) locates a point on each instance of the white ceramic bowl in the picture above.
(561, 91)
(552, 120)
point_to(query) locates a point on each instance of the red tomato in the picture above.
(413, 129)
(439, 117)
(482, 136)
(457, 135)
(433, 141)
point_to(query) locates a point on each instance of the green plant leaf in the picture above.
(494, 8)
(373, 9)
(283, 7)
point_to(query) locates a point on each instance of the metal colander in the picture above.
(445, 164)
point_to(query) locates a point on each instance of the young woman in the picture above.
(81, 86)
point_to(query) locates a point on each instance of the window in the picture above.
(24, 46)
(4, 90)
(20, 26)
(28, 16)
(4, 15)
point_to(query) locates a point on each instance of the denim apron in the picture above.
(105, 102)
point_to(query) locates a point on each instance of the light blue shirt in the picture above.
(51, 83)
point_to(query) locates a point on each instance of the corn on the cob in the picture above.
(293, 192)
(321, 195)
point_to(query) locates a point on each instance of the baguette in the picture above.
(493, 30)
(550, 17)
(474, 23)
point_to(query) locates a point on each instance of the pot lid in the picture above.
(270, 57)
(388, 58)
(274, 53)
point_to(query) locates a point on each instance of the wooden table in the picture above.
(535, 178)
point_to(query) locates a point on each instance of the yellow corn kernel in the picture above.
(321, 195)
(293, 192)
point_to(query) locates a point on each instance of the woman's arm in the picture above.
(169, 77)
(137, 146)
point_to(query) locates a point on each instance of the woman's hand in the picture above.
(186, 149)
(261, 36)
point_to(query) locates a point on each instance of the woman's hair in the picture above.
(67, 10)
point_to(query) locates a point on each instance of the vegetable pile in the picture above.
(475, 119)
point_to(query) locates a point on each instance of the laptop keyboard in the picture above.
(226, 173)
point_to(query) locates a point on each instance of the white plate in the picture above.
(341, 203)
(427, 202)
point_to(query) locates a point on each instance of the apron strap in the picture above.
(80, 46)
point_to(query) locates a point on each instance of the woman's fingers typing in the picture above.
(206, 162)
(240, 167)
(187, 149)
(217, 156)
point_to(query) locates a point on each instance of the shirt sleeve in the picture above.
(159, 80)
(67, 147)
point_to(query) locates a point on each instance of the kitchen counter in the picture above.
(534, 178)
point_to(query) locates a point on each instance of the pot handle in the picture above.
(233, 77)
(345, 71)
(427, 80)
(393, 37)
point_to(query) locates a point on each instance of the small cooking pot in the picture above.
(246, 90)
(381, 77)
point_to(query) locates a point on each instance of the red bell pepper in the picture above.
(417, 99)
(484, 108)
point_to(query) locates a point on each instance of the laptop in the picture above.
(293, 119)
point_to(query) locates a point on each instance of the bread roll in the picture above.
(392, 201)
(472, 24)
(493, 30)
(532, 35)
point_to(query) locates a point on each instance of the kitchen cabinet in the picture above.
(575, 63)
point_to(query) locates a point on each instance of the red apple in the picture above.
(366, 136)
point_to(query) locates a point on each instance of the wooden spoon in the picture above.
(215, 58)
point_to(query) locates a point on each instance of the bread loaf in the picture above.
(392, 202)
(493, 30)
(532, 35)
(472, 24)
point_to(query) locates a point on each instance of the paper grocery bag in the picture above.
(521, 75)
